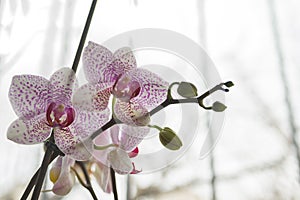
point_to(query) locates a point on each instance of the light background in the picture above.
(254, 43)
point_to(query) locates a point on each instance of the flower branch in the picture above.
(87, 184)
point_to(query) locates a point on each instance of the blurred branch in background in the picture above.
(67, 31)
(48, 55)
(156, 191)
(284, 79)
(203, 41)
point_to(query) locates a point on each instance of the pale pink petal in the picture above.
(153, 89)
(66, 178)
(63, 83)
(123, 61)
(102, 175)
(71, 145)
(29, 131)
(114, 133)
(28, 95)
(120, 161)
(131, 113)
(103, 139)
(132, 136)
(92, 97)
(56, 169)
(96, 64)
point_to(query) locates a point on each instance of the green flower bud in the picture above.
(187, 90)
(169, 139)
(229, 84)
(218, 107)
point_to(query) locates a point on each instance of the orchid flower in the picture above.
(136, 90)
(62, 176)
(43, 105)
(116, 146)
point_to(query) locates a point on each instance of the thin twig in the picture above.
(88, 184)
(284, 79)
(114, 185)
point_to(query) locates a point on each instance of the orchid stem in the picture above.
(88, 184)
(83, 36)
(32, 182)
(198, 100)
(41, 174)
(169, 101)
(113, 181)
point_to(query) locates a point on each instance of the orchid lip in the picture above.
(125, 89)
(59, 115)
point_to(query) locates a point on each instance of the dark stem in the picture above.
(114, 185)
(88, 184)
(83, 36)
(52, 152)
(41, 174)
(32, 182)
(106, 126)
(198, 100)
(168, 102)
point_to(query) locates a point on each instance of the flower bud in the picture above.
(218, 107)
(187, 90)
(169, 139)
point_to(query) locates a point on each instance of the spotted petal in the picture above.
(131, 113)
(123, 61)
(132, 136)
(28, 95)
(92, 97)
(88, 122)
(29, 131)
(96, 61)
(63, 83)
(71, 145)
(153, 89)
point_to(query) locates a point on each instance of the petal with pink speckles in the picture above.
(28, 95)
(88, 122)
(153, 89)
(63, 83)
(96, 64)
(123, 61)
(92, 97)
(29, 131)
(71, 145)
(131, 113)
(132, 136)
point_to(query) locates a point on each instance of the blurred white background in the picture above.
(254, 43)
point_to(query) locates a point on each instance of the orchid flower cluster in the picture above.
(60, 113)
(72, 114)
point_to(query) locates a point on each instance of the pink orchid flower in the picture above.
(43, 105)
(118, 145)
(62, 176)
(136, 90)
